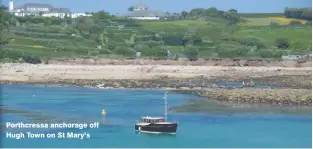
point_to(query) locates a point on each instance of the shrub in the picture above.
(207, 41)
(93, 53)
(31, 59)
(197, 40)
(111, 46)
(308, 23)
(20, 60)
(19, 56)
(105, 51)
(282, 42)
(140, 47)
(11, 54)
(279, 53)
(203, 48)
(161, 52)
(266, 53)
(155, 52)
(296, 45)
(173, 39)
(231, 51)
(143, 38)
(152, 44)
(294, 22)
(191, 53)
(253, 41)
(125, 51)
(120, 37)
(43, 35)
(274, 24)
(5, 37)
(271, 53)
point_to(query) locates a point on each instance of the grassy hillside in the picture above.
(260, 15)
(268, 20)
(301, 35)
(260, 22)
(253, 36)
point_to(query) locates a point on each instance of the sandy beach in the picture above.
(41, 72)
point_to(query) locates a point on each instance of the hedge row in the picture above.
(18, 56)
(44, 35)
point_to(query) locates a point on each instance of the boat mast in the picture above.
(165, 106)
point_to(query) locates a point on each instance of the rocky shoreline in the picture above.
(208, 89)
(283, 81)
(267, 96)
(213, 82)
(288, 81)
(183, 62)
(230, 107)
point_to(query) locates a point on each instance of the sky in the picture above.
(120, 6)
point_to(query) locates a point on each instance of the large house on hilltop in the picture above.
(45, 10)
(142, 12)
(58, 12)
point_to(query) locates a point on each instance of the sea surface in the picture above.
(39, 104)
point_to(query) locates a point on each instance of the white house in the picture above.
(58, 12)
(37, 9)
(140, 7)
(141, 12)
(76, 15)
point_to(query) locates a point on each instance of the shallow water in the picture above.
(124, 107)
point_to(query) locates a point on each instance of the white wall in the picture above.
(38, 9)
(291, 57)
(19, 14)
(76, 15)
(145, 18)
(59, 15)
(11, 6)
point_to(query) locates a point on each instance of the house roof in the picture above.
(145, 13)
(36, 5)
(141, 6)
(60, 10)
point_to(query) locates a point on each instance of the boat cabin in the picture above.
(152, 119)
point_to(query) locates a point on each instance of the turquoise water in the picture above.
(124, 107)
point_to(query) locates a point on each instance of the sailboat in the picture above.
(157, 125)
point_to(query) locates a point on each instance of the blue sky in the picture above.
(120, 6)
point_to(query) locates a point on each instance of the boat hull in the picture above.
(169, 128)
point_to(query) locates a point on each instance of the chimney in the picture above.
(11, 6)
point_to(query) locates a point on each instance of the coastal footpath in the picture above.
(293, 82)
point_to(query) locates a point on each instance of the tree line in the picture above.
(299, 13)
(206, 13)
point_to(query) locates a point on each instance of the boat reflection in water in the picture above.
(157, 125)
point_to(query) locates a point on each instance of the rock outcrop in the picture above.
(271, 96)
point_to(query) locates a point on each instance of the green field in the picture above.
(173, 24)
(259, 22)
(302, 35)
(261, 15)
